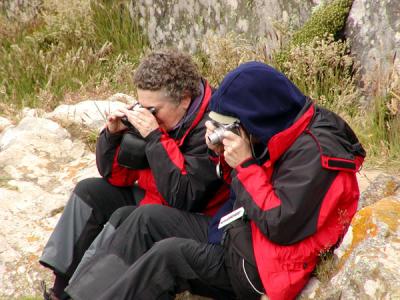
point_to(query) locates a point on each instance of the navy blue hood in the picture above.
(265, 101)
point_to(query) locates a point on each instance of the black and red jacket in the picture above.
(180, 173)
(302, 199)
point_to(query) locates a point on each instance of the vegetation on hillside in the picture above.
(72, 47)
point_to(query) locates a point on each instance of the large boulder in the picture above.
(184, 23)
(4, 123)
(89, 113)
(373, 28)
(39, 165)
(367, 263)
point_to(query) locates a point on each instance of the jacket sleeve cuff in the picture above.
(246, 163)
(112, 138)
(153, 136)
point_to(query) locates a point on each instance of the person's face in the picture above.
(168, 112)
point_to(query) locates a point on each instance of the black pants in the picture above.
(156, 252)
(89, 207)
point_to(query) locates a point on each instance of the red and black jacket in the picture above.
(180, 173)
(302, 199)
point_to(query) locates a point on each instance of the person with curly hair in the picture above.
(150, 152)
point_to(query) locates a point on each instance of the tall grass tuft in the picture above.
(114, 23)
(324, 70)
(382, 129)
(219, 55)
(72, 46)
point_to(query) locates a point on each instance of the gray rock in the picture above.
(383, 186)
(369, 266)
(4, 123)
(373, 28)
(183, 23)
(90, 113)
(39, 165)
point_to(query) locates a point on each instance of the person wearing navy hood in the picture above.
(291, 166)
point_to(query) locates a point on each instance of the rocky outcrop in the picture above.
(40, 163)
(373, 28)
(184, 23)
(367, 264)
(89, 113)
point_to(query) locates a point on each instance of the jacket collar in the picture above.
(281, 141)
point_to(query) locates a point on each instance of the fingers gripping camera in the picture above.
(125, 120)
(218, 135)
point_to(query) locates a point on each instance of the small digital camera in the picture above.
(218, 134)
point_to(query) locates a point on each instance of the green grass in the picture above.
(380, 131)
(68, 50)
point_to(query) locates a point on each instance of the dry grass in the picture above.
(219, 55)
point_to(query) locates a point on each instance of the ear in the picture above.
(185, 102)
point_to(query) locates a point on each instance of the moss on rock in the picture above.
(328, 19)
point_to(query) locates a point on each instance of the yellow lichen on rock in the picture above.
(362, 227)
(365, 223)
(388, 211)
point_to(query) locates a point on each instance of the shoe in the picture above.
(48, 295)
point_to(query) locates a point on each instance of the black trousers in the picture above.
(155, 253)
(89, 207)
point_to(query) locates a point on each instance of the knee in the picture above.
(150, 212)
(120, 215)
(169, 247)
(87, 186)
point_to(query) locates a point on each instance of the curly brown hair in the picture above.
(171, 70)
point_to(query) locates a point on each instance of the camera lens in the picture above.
(217, 136)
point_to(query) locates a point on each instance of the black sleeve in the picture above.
(185, 176)
(300, 184)
(106, 148)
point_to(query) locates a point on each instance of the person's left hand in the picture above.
(142, 119)
(236, 148)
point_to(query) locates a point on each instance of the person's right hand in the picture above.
(114, 123)
(218, 148)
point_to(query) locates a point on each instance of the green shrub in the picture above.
(324, 71)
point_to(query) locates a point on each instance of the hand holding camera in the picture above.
(135, 117)
(140, 119)
(231, 140)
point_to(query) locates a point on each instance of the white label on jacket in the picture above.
(232, 216)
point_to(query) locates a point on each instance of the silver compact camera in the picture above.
(218, 134)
